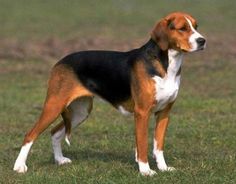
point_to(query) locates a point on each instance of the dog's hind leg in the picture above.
(78, 112)
(63, 88)
(52, 109)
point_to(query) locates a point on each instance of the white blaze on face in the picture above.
(193, 38)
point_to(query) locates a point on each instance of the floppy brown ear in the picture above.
(159, 34)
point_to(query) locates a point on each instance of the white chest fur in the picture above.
(167, 88)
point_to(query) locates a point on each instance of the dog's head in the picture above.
(178, 31)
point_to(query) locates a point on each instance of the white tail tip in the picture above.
(67, 140)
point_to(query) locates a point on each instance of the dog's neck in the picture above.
(170, 60)
(152, 52)
(175, 59)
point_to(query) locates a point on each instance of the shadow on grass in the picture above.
(94, 156)
(103, 155)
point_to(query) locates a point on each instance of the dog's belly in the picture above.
(166, 91)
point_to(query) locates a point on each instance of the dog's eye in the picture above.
(196, 26)
(171, 25)
(182, 29)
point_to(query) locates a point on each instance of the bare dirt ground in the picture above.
(54, 48)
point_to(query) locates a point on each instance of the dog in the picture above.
(141, 82)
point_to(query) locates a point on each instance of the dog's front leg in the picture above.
(141, 129)
(159, 138)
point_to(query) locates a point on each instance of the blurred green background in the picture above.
(34, 19)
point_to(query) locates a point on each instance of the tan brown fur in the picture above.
(66, 115)
(128, 105)
(143, 95)
(63, 88)
(173, 38)
(162, 121)
(159, 68)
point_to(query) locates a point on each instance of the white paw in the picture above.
(149, 172)
(144, 169)
(165, 168)
(161, 163)
(20, 168)
(63, 160)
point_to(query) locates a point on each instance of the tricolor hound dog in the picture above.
(141, 82)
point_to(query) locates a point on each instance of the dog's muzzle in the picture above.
(201, 43)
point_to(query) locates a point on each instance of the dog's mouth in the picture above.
(201, 47)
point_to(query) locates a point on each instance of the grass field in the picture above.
(201, 137)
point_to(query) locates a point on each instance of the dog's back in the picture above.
(105, 73)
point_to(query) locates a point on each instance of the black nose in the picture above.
(200, 41)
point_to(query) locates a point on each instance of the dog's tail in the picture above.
(67, 124)
(67, 140)
(67, 132)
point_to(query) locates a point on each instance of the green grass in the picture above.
(200, 141)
